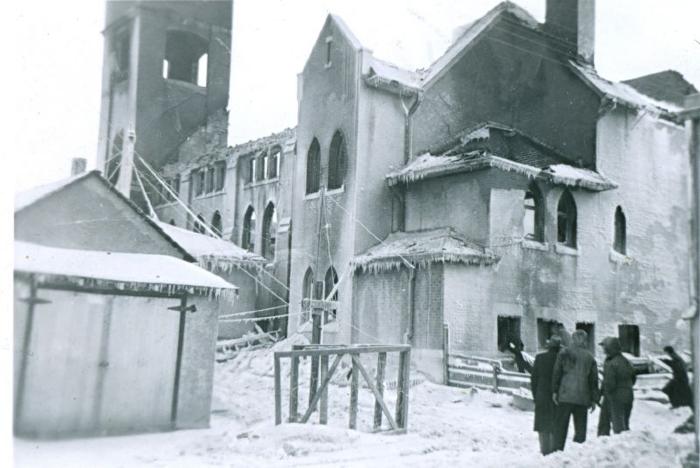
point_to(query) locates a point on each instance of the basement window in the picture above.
(589, 328)
(545, 330)
(508, 332)
(629, 338)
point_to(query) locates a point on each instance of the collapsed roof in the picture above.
(491, 145)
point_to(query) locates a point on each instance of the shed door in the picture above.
(99, 364)
(141, 355)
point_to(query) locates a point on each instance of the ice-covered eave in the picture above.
(137, 288)
(392, 86)
(227, 264)
(374, 265)
(560, 174)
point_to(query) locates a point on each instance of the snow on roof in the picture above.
(119, 270)
(621, 92)
(29, 197)
(422, 247)
(207, 249)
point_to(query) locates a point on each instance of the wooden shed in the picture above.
(115, 328)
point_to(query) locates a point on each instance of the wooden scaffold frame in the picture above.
(319, 397)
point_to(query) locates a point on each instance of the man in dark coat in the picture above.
(678, 388)
(618, 394)
(574, 389)
(541, 386)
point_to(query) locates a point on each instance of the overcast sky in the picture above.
(54, 92)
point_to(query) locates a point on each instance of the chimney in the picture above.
(77, 166)
(574, 22)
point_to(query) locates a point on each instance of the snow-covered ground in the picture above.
(447, 426)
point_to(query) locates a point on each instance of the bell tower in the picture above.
(166, 70)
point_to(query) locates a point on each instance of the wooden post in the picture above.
(294, 389)
(316, 314)
(354, 384)
(445, 354)
(381, 366)
(402, 389)
(278, 392)
(495, 377)
(323, 413)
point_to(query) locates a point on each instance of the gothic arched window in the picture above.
(566, 220)
(307, 291)
(313, 167)
(533, 222)
(337, 161)
(329, 282)
(248, 236)
(269, 231)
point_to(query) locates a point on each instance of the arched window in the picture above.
(185, 58)
(216, 222)
(566, 220)
(269, 231)
(307, 289)
(329, 281)
(313, 167)
(533, 222)
(115, 159)
(620, 241)
(199, 224)
(337, 160)
(248, 237)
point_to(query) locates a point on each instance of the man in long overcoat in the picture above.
(541, 386)
(677, 389)
(618, 394)
(574, 389)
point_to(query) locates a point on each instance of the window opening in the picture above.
(508, 332)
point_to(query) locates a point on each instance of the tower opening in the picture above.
(186, 58)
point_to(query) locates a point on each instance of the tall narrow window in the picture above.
(121, 50)
(566, 220)
(250, 174)
(533, 222)
(248, 236)
(216, 223)
(115, 159)
(220, 175)
(337, 161)
(313, 167)
(269, 231)
(260, 168)
(176, 184)
(199, 224)
(329, 282)
(307, 293)
(273, 164)
(620, 241)
(210, 179)
(197, 180)
(202, 65)
(329, 51)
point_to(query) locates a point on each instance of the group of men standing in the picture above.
(564, 383)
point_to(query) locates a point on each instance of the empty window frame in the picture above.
(629, 338)
(220, 169)
(269, 232)
(211, 176)
(197, 179)
(330, 280)
(313, 167)
(508, 332)
(185, 58)
(250, 170)
(121, 51)
(260, 168)
(533, 221)
(273, 163)
(176, 184)
(337, 160)
(248, 234)
(620, 239)
(566, 220)
(216, 223)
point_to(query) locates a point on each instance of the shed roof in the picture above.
(116, 270)
(668, 85)
(210, 249)
(491, 145)
(422, 247)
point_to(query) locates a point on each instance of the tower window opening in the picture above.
(121, 51)
(186, 58)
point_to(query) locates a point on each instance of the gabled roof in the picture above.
(669, 86)
(29, 197)
(421, 248)
(115, 270)
(492, 145)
